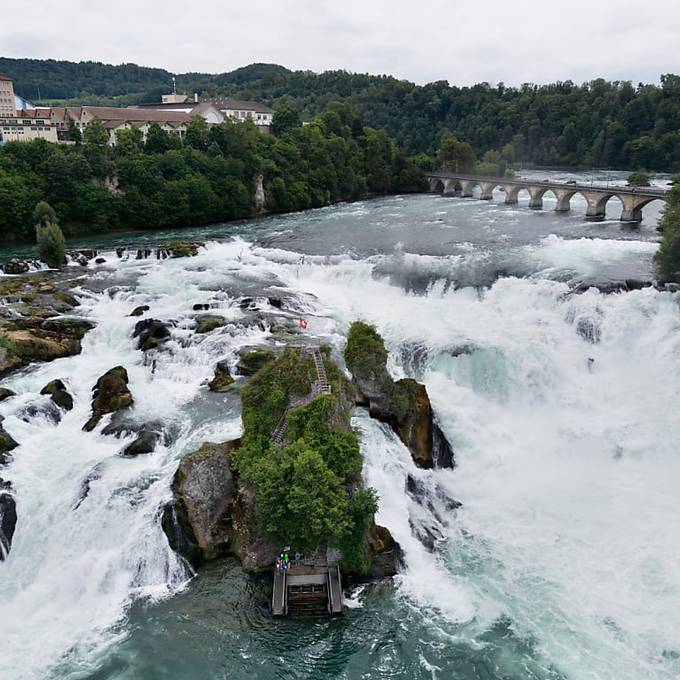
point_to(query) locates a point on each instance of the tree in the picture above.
(74, 133)
(49, 237)
(284, 120)
(639, 179)
(667, 258)
(198, 133)
(454, 155)
(96, 134)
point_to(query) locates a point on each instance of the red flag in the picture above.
(303, 324)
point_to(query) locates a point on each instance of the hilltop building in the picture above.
(21, 125)
(239, 109)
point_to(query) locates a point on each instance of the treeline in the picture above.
(600, 123)
(209, 176)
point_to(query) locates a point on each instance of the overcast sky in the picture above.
(463, 42)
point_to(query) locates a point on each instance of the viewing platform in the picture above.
(307, 589)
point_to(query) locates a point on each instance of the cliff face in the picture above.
(404, 404)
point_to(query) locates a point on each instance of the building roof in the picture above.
(110, 113)
(227, 103)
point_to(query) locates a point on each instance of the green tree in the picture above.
(96, 134)
(454, 155)
(284, 120)
(74, 133)
(49, 237)
(667, 258)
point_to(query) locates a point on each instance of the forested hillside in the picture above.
(207, 177)
(603, 124)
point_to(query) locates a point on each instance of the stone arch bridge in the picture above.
(633, 199)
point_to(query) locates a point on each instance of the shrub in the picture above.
(667, 258)
(639, 179)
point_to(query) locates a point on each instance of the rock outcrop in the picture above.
(15, 266)
(222, 379)
(8, 518)
(23, 341)
(151, 333)
(139, 311)
(57, 391)
(6, 394)
(111, 394)
(404, 404)
(144, 443)
(251, 362)
(209, 322)
(199, 523)
(7, 444)
(385, 554)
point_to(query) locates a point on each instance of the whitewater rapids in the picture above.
(560, 408)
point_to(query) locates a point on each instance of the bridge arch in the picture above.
(436, 185)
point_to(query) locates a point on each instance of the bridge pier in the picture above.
(512, 193)
(451, 187)
(466, 188)
(486, 190)
(536, 197)
(597, 205)
(563, 200)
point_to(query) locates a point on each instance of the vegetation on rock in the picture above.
(639, 179)
(667, 257)
(308, 492)
(404, 404)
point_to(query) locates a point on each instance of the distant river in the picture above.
(563, 561)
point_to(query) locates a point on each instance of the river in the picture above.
(563, 561)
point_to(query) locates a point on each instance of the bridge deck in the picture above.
(656, 192)
(334, 591)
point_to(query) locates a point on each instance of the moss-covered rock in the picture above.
(209, 322)
(182, 249)
(222, 379)
(151, 333)
(404, 405)
(251, 362)
(111, 394)
(57, 391)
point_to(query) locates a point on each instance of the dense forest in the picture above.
(208, 176)
(600, 123)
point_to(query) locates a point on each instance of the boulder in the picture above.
(6, 394)
(151, 333)
(8, 519)
(50, 411)
(120, 251)
(404, 404)
(201, 306)
(200, 523)
(7, 444)
(88, 253)
(209, 322)
(33, 345)
(58, 393)
(222, 380)
(139, 311)
(256, 553)
(15, 266)
(251, 362)
(68, 327)
(111, 394)
(385, 554)
(100, 260)
(145, 443)
(182, 249)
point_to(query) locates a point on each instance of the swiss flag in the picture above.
(303, 324)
